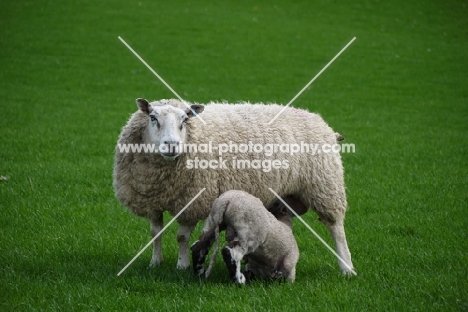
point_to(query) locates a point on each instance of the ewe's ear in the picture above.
(194, 110)
(339, 137)
(144, 106)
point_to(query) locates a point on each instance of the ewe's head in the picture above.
(167, 126)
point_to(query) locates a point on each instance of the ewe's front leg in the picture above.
(183, 237)
(156, 226)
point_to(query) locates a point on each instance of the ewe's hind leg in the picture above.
(183, 237)
(156, 226)
(329, 201)
(338, 233)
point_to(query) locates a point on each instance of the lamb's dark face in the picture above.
(167, 126)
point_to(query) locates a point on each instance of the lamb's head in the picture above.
(166, 126)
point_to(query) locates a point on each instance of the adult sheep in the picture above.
(151, 182)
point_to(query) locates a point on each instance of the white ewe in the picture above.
(149, 183)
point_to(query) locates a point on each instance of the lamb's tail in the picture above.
(214, 254)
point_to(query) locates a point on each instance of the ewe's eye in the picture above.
(154, 119)
(184, 120)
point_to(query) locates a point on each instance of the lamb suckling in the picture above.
(253, 234)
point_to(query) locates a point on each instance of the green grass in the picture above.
(399, 93)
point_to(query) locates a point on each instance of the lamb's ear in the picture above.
(194, 110)
(144, 106)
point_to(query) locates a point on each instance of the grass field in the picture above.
(399, 93)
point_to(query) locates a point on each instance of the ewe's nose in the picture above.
(171, 143)
(169, 148)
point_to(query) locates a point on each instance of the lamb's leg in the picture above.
(232, 256)
(200, 249)
(290, 276)
(203, 245)
(156, 226)
(286, 268)
(183, 237)
(338, 233)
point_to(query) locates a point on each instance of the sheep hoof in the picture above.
(276, 274)
(240, 279)
(182, 266)
(348, 273)
(154, 263)
(199, 270)
(249, 276)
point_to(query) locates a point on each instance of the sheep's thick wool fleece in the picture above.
(147, 184)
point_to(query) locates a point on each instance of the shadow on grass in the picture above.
(81, 269)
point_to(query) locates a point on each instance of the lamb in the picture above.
(253, 234)
(151, 182)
